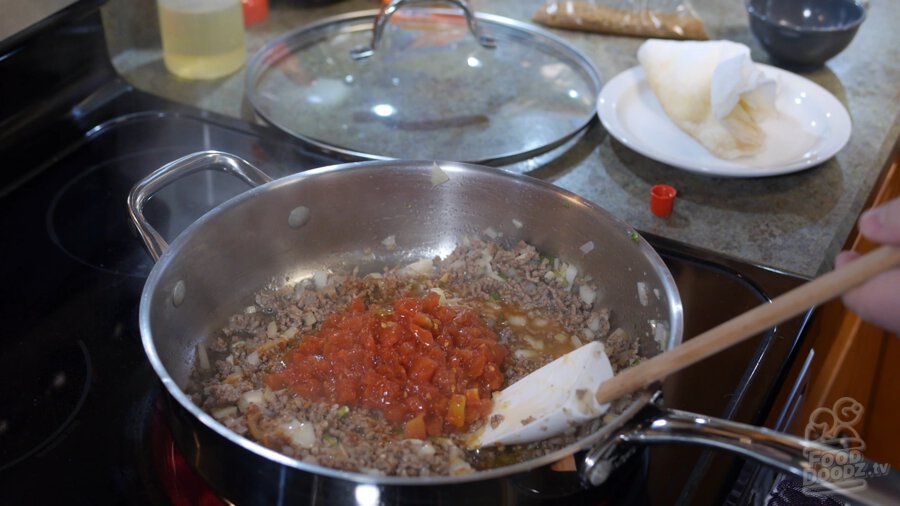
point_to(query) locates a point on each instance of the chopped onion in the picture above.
(390, 242)
(252, 359)
(517, 320)
(301, 434)
(248, 398)
(202, 357)
(224, 412)
(537, 344)
(438, 176)
(309, 319)
(490, 232)
(587, 294)
(520, 354)
(660, 333)
(571, 272)
(516, 223)
(642, 293)
(427, 450)
(458, 464)
(423, 267)
(491, 274)
(587, 247)
(320, 278)
(272, 330)
(250, 309)
(485, 258)
(291, 332)
(619, 334)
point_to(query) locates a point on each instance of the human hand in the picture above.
(877, 301)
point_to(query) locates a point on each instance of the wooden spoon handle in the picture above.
(748, 324)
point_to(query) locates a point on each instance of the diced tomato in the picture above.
(423, 320)
(345, 391)
(415, 428)
(410, 364)
(394, 413)
(431, 302)
(422, 335)
(435, 426)
(422, 369)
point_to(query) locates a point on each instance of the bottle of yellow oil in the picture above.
(202, 39)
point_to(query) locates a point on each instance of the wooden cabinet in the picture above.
(858, 360)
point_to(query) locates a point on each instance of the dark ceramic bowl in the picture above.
(805, 32)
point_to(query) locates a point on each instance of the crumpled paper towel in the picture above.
(713, 91)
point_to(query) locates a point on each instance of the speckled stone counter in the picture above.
(795, 222)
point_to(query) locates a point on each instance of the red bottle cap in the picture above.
(662, 198)
(255, 11)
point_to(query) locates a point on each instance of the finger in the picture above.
(845, 257)
(882, 224)
(878, 300)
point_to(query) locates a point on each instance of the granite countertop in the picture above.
(795, 223)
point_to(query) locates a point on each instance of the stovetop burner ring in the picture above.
(41, 406)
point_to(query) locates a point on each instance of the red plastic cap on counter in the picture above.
(662, 198)
(255, 11)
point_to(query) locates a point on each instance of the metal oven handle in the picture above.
(172, 171)
(823, 468)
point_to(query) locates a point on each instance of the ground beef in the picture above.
(532, 302)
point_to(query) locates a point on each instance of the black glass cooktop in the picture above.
(73, 375)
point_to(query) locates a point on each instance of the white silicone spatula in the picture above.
(579, 385)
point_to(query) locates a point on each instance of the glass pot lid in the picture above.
(434, 84)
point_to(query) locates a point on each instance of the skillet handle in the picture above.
(823, 468)
(172, 171)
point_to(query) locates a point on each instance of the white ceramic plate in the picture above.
(813, 127)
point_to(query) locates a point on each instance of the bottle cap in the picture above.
(255, 11)
(662, 198)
